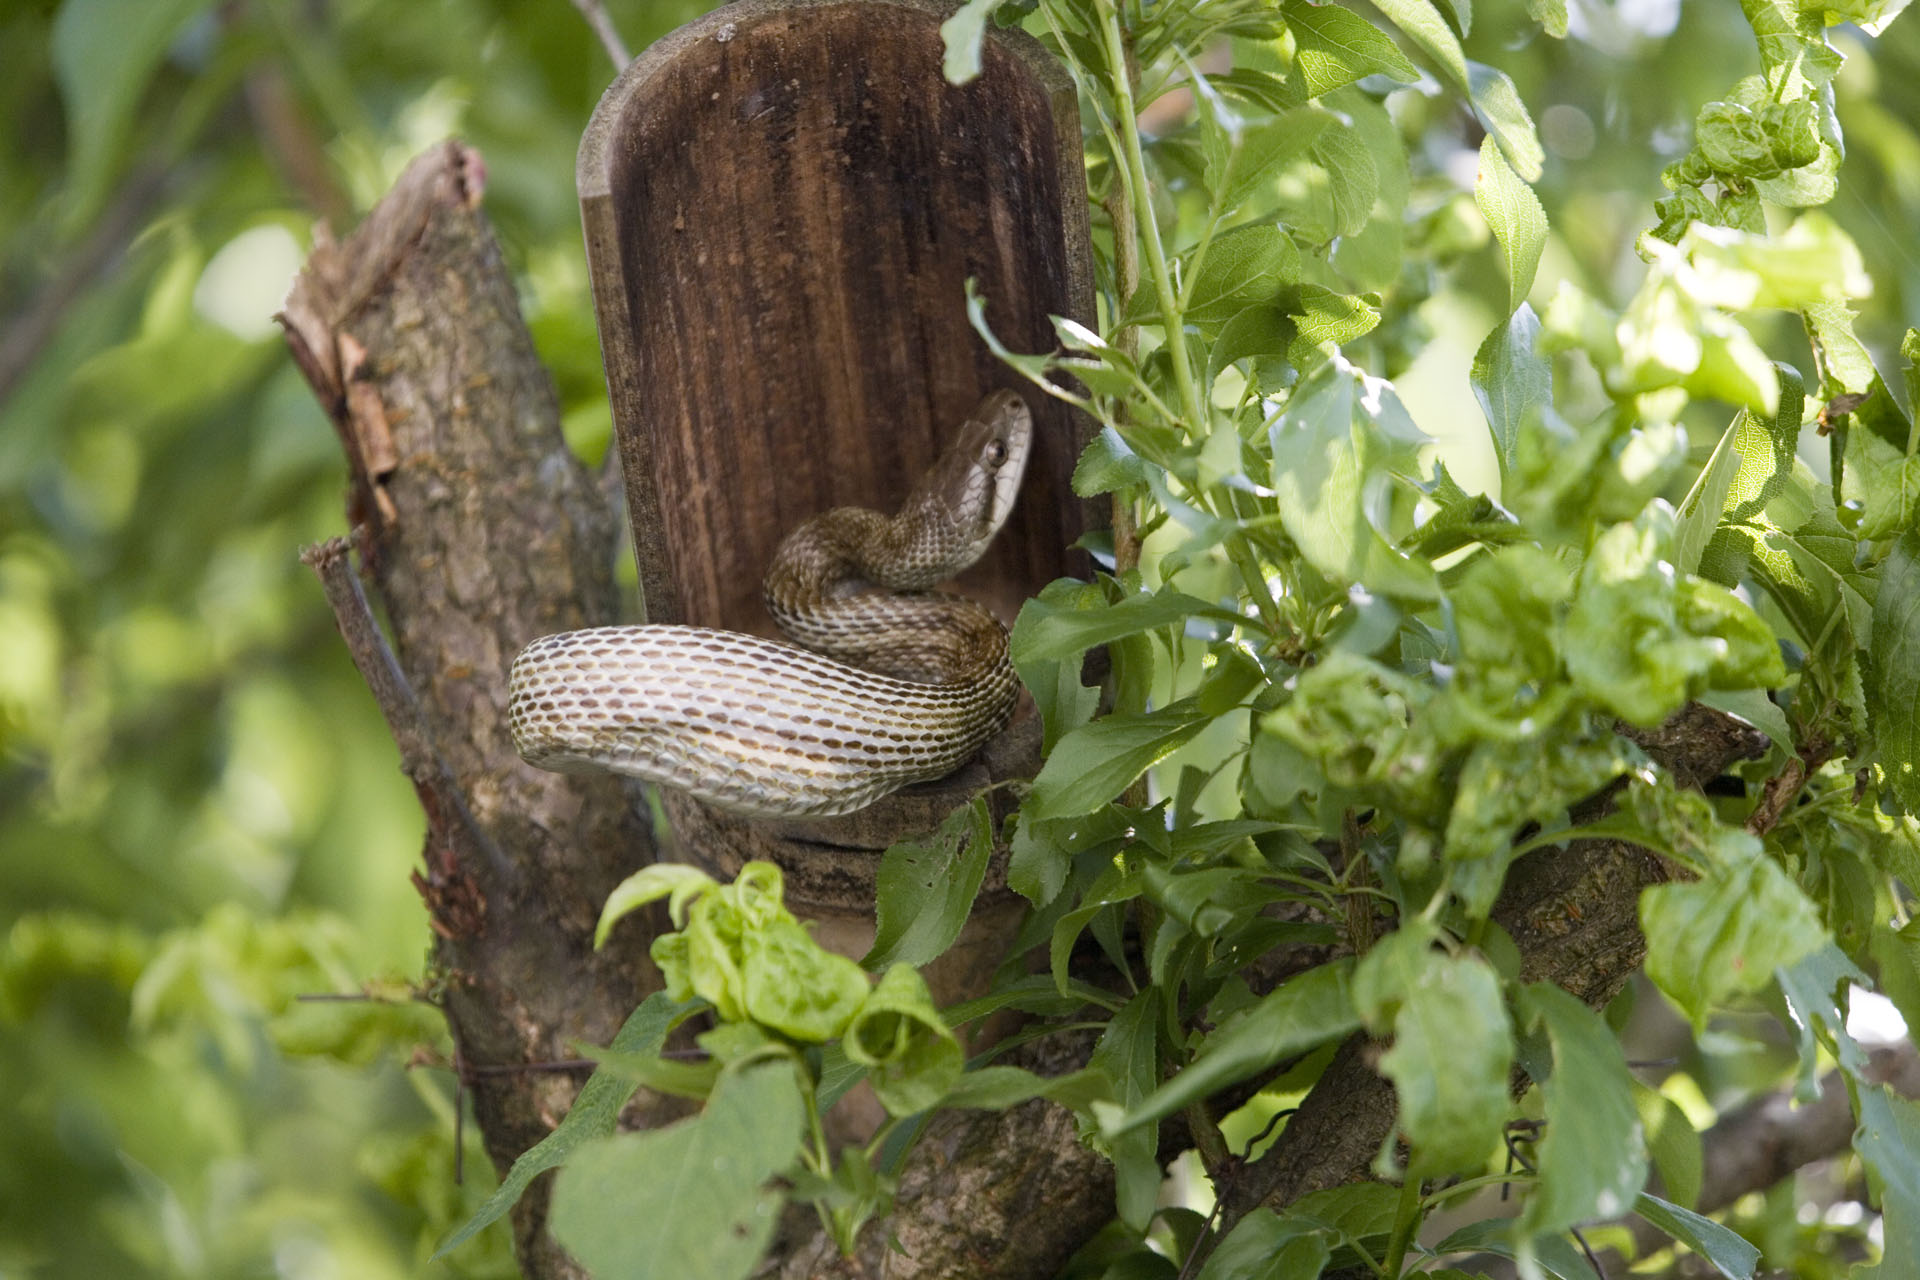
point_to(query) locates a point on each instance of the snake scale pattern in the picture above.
(898, 682)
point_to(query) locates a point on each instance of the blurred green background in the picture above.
(201, 816)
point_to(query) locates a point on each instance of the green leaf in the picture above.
(1422, 23)
(1251, 158)
(1128, 1055)
(672, 880)
(1514, 215)
(1700, 510)
(1816, 988)
(925, 888)
(1301, 1014)
(1673, 1143)
(104, 54)
(1725, 934)
(914, 1059)
(595, 1112)
(1498, 104)
(1766, 448)
(1332, 451)
(1334, 46)
(795, 986)
(1756, 708)
(1885, 484)
(1888, 1141)
(998, 1088)
(1107, 466)
(1097, 761)
(1264, 329)
(1730, 1254)
(1353, 177)
(1064, 703)
(1551, 15)
(1047, 630)
(1893, 674)
(1323, 316)
(1513, 383)
(1813, 261)
(1452, 1046)
(1591, 1161)
(1265, 1246)
(961, 35)
(691, 1199)
(1556, 1255)
(1245, 266)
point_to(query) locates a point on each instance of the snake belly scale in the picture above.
(898, 682)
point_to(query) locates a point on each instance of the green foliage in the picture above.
(1369, 652)
(201, 817)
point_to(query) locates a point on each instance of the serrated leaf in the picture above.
(911, 1055)
(961, 35)
(1700, 510)
(1264, 329)
(595, 1112)
(1334, 46)
(1452, 1046)
(1888, 1141)
(1353, 179)
(1498, 104)
(1591, 1161)
(1423, 24)
(1097, 761)
(1107, 466)
(1514, 215)
(690, 1199)
(1725, 934)
(925, 888)
(1329, 471)
(1513, 382)
(1729, 1253)
(1551, 15)
(1893, 674)
(1247, 265)
(1301, 1014)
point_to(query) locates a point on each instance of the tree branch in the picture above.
(479, 531)
(1573, 914)
(1771, 1137)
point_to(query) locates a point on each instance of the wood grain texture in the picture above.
(783, 202)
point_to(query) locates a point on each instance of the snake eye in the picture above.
(996, 452)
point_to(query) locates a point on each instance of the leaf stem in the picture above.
(1136, 167)
(1406, 1216)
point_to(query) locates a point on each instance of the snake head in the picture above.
(978, 477)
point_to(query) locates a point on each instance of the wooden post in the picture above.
(783, 201)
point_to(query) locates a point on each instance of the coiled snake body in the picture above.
(898, 683)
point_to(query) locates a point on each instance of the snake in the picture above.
(887, 682)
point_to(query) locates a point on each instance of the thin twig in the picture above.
(1780, 791)
(603, 27)
(375, 660)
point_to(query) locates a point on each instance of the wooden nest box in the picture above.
(783, 203)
